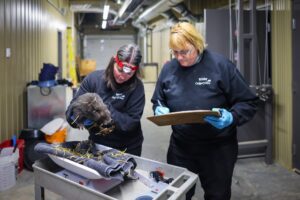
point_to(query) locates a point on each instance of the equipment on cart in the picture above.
(138, 185)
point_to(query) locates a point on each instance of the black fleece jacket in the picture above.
(214, 82)
(126, 107)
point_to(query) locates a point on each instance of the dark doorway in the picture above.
(296, 83)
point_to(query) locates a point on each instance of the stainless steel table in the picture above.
(46, 176)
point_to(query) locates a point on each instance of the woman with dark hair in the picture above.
(123, 93)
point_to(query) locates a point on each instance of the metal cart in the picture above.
(46, 175)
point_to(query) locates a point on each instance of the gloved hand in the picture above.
(220, 122)
(88, 122)
(161, 110)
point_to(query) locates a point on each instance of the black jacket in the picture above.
(126, 107)
(214, 82)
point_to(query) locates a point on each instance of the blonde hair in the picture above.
(183, 33)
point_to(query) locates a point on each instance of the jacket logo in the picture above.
(203, 81)
(119, 96)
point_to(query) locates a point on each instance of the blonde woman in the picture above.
(199, 79)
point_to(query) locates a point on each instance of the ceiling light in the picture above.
(105, 12)
(104, 22)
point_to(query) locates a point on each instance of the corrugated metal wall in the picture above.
(282, 80)
(29, 28)
(2, 50)
(156, 55)
(160, 44)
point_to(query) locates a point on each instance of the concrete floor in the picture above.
(253, 179)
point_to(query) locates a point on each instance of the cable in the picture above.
(230, 33)
(266, 61)
(237, 33)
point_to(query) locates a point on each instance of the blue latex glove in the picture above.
(161, 110)
(86, 122)
(220, 122)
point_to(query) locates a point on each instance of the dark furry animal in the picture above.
(90, 106)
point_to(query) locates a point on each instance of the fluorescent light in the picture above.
(104, 22)
(105, 12)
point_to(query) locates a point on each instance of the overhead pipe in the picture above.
(142, 28)
(153, 11)
(124, 7)
(119, 21)
(182, 9)
(171, 18)
(168, 15)
(93, 10)
(156, 10)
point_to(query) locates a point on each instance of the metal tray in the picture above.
(45, 174)
(76, 168)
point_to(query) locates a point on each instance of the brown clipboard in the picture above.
(182, 117)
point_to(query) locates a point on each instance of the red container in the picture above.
(20, 146)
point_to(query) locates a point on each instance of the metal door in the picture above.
(255, 137)
(296, 83)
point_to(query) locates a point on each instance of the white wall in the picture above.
(102, 48)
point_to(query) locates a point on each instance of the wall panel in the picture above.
(6, 71)
(2, 63)
(165, 49)
(156, 39)
(29, 28)
(282, 77)
(160, 40)
(13, 107)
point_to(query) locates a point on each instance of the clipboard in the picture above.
(182, 117)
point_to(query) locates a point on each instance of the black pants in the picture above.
(214, 165)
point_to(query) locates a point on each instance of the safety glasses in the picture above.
(181, 52)
(124, 67)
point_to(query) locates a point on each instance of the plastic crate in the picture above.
(20, 146)
(8, 167)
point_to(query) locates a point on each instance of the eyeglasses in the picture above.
(124, 67)
(181, 52)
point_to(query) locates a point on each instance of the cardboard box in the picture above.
(87, 66)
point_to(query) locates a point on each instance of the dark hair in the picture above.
(129, 53)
